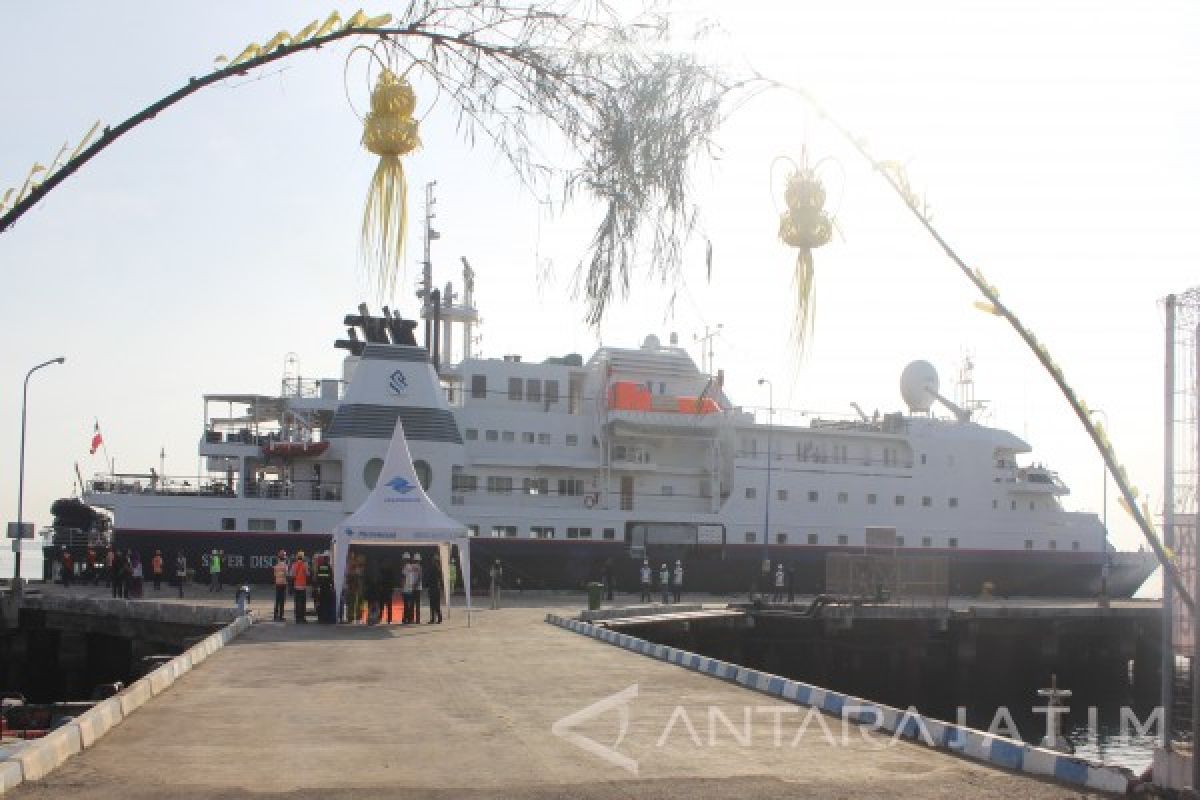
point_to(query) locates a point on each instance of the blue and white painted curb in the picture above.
(38, 757)
(979, 745)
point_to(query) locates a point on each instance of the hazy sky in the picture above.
(1055, 143)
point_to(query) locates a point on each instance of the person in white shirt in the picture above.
(646, 581)
(677, 580)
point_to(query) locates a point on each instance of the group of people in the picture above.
(295, 577)
(670, 581)
(124, 571)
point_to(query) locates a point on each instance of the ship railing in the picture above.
(322, 388)
(160, 485)
(306, 491)
(823, 459)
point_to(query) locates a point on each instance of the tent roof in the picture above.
(397, 509)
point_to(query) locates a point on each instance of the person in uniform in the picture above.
(181, 571)
(677, 580)
(434, 583)
(418, 577)
(299, 573)
(779, 583)
(324, 591)
(645, 579)
(497, 574)
(406, 584)
(156, 569)
(664, 581)
(280, 573)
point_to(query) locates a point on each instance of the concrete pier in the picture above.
(504, 709)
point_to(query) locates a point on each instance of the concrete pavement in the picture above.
(446, 711)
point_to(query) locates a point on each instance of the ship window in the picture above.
(1074, 545)
(812, 538)
(572, 440)
(228, 524)
(533, 390)
(507, 436)
(537, 486)
(571, 487)
(541, 532)
(1031, 505)
(751, 493)
(527, 437)
(514, 388)
(472, 530)
(1053, 545)
(551, 392)
(952, 542)
(843, 539)
(899, 499)
(899, 541)
(371, 472)
(782, 494)
(926, 541)
(610, 533)
(843, 497)
(543, 438)
(668, 491)
(953, 502)
(871, 499)
(781, 538)
(926, 501)
(479, 386)
(509, 531)
(995, 504)
(812, 497)
(492, 436)
(424, 473)
(1029, 544)
(499, 484)
(465, 483)
(472, 434)
(254, 524)
(1013, 505)
(579, 533)
(295, 526)
(922, 458)
(751, 537)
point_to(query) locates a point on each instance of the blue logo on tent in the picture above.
(397, 382)
(400, 485)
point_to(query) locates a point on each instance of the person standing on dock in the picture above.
(156, 569)
(497, 572)
(93, 574)
(791, 582)
(645, 578)
(68, 567)
(664, 582)
(406, 584)
(214, 571)
(418, 580)
(779, 582)
(280, 573)
(300, 586)
(433, 583)
(181, 571)
(677, 580)
(110, 561)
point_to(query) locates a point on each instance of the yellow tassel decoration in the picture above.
(805, 226)
(389, 132)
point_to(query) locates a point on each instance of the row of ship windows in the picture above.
(504, 484)
(751, 537)
(872, 499)
(261, 524)
(527, 437)
(834, 454)
(544, 532)
(532, 390)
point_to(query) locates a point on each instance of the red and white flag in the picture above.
(97, 439)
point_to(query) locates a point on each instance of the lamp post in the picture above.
(766, 563)
(1104, 567)
(17, 589)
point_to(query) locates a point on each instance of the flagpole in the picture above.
(112, 467)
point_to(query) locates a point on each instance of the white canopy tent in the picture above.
(398, 512)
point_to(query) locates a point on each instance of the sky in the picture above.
(1054, 143)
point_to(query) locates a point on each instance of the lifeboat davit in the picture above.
(294, 449)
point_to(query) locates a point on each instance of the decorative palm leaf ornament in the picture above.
(806, 226)
(390, 132)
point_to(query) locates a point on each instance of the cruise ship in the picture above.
(566, 468)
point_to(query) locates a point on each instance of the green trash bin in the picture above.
(595, 595)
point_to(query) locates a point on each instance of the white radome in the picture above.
(919, 386)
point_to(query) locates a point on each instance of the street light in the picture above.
(766, 565)
(1104, 568)
(21, 477)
